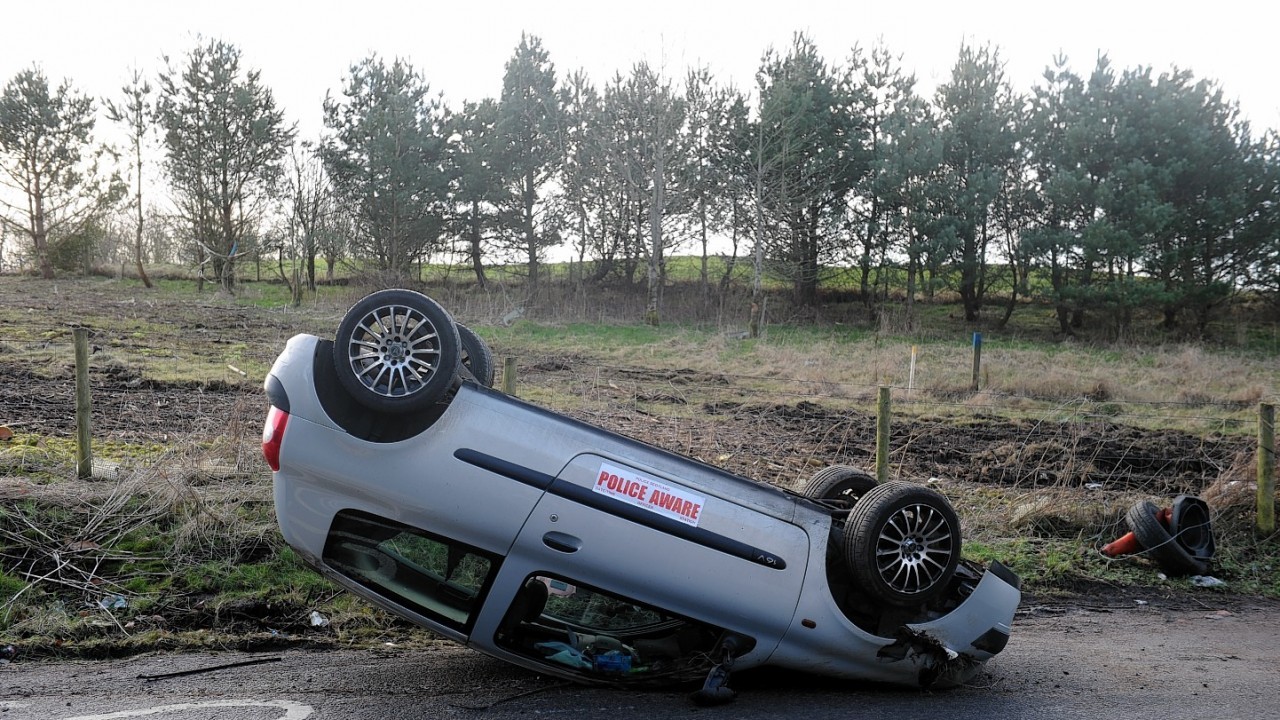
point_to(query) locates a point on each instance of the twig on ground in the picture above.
(212, 668)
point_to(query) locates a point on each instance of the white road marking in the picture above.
(293, 710)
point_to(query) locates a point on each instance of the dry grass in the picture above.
(75, 545)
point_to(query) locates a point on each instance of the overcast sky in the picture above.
(304, 49)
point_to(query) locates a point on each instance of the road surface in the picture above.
(1215, 659)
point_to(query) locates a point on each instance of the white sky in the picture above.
(304, 48)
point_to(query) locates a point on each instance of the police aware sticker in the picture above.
(635, 488)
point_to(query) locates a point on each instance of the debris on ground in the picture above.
(113, 602)
(1206, 581)
(1179, 538)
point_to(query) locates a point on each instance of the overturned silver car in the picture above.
(570, 550)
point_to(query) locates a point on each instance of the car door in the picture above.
(660, 541)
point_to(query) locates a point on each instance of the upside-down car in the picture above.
(570, 550)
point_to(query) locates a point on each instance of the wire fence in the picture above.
(766, 426)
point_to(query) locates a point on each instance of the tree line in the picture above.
(1103, 194)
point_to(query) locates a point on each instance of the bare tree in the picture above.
(309, 204)
(136, 113)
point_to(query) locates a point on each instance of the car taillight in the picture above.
(272, 434)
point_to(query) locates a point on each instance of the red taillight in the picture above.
(272, 434)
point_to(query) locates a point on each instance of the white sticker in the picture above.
(642, 491)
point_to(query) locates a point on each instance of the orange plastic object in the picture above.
(1125, 545)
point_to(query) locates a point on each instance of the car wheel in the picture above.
(397, 351)
(476, 357)
(840, 486)
(1159, 543)
(902, 543)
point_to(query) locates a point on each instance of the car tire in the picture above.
(1191, 527)
(476, 357)
(902, 544)
(839, 486)
(1159, 543)
(397, 351)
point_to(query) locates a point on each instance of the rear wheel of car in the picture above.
(839, 486)
(1159, 543)
(397, 351)
(902, 543)
(476, 357)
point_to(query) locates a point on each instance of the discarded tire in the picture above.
(1159, 543)
(1191, 527)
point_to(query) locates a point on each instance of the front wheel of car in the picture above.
(397, 351)
(902, 543)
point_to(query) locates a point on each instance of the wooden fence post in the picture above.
(1266, 469)
(509, 375)
(977, 359)
(882, 435)
(84, 406)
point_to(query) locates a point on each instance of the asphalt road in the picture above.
(1218, 661)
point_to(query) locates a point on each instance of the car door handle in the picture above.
(563, 542)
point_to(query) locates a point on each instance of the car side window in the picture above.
(581, 607)
(435, 576)
(601, 634)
